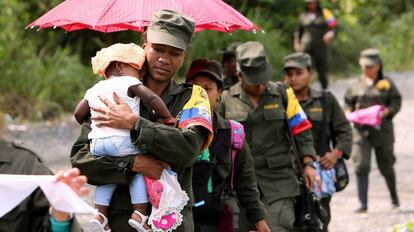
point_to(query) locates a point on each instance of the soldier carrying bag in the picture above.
(309, 213)
(219, 207)
(341, 171)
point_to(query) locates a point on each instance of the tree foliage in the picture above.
(48, 71)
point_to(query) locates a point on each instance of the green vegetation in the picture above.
(407, 227)
(47, 72)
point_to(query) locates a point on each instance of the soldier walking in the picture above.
(373, 88)
(256, 103)
(332, 134)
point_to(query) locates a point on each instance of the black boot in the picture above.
(362, 184)
(391, 184)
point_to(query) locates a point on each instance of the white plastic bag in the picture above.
(167, 217)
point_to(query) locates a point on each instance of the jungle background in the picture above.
(45, 73)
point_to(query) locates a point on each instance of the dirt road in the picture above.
(53, 142)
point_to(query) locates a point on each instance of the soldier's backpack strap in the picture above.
(237, 140)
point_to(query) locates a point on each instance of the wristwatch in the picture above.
(310, 163)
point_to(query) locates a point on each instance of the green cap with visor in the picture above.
(171, 28)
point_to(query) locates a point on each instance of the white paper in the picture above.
(16, 188)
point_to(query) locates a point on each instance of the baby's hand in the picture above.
(172, 122)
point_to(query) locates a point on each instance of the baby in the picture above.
(122, 66)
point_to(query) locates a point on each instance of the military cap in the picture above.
(171, 28)
(252, 63)
(230, 50)
(205, 66)
(370, 57)
(297, 60)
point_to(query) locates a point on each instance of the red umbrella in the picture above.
(119, 15)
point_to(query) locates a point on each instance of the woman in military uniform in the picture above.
(316, 29)
(373, 88)
(165, 43)
(209, 75)
(332, 134)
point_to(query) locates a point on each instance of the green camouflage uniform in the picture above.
(245, 184)
(361, 95)
(33, 213)
(177, 146)
(310, 32)
(267, 136)
(338, 129)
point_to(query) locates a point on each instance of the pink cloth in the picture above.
(154, 190)
(370, 116)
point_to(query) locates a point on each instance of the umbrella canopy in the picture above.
(119, 15)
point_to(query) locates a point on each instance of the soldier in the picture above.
(229, 65)
(34, 213)
(326, 115)
(316, 29)
(165, 43)
(373, 88)
(209, 75)
(257, 103)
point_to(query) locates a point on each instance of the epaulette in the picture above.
(20, 145)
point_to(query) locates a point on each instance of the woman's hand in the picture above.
(261, 226)
(310, 175)
(149, 166)
(386, 113)
(76, 182)
(329, 159)
(311, 178)
(327, 38)
(116, 115)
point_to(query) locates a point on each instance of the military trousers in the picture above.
(361, 155)
(280, 216)
(320, 59)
